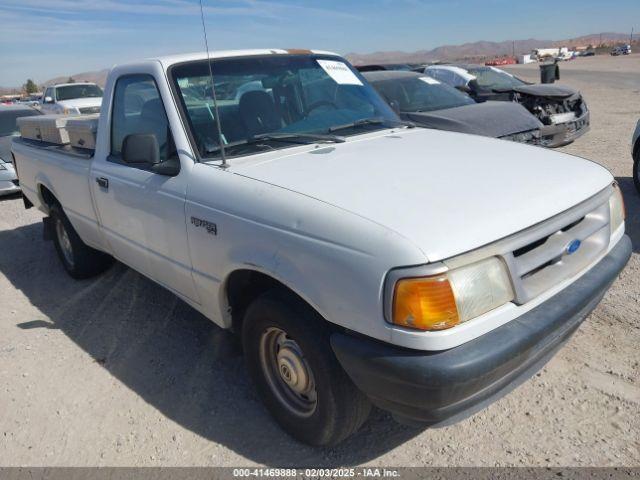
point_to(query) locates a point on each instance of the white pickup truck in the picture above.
(360, 259)
(72, 99)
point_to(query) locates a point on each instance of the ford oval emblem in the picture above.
(573, 247)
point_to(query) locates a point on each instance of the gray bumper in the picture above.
(440, 388)
(554, 136)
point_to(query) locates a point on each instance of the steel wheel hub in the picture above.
(287, 372)
(65, 242)
(292, 368)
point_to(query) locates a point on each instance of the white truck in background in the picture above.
(360, 260)
(80, 98)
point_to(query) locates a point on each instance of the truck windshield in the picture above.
(69, 92)
(494, 79)
(265, 97)
(421, 94)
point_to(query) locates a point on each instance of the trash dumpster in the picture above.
(549, 72)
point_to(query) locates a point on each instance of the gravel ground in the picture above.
(117, 371)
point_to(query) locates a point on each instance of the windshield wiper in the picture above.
(301, 138)
(371, 121)
(298, 137)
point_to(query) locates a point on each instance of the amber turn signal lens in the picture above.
(425, 303)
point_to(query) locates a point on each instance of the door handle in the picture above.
(103, 182)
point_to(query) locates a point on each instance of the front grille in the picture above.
(540, 258)
(89, 110)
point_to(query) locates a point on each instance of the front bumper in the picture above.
(554, 136)
(441, 388)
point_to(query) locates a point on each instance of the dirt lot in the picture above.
(117, 371)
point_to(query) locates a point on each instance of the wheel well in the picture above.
(243, 286)
(48, 197)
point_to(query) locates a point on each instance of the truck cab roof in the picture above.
(169, 60)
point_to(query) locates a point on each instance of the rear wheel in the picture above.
(292, 364)
(636, 167)
(78, 259)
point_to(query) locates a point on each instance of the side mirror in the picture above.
(463, 88)
(141, 148)
(48, 100)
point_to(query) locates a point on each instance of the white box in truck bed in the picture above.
(45, 128)
(82, 131)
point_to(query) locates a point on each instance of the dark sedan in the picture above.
(432, 104)
(561, 109)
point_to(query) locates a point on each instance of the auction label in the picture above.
(339, 72)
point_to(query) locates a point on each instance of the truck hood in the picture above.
(81, 102)
(448, 193)
(491, 119)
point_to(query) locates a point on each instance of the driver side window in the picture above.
(138, 109)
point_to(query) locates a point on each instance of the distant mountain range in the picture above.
(99, 77)
(468, 51)
(481, 49)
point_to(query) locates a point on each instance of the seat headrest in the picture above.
(153, 110)
(258, 112)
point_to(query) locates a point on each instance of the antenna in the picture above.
(213, 91)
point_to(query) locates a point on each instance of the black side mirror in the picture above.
(463, 88)
(141, 148)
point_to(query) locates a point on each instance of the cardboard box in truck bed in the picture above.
(45, 128)
(82, 131)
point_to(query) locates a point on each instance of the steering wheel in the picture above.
(321, 103)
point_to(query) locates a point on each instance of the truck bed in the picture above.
(81, 153)
(66, 173)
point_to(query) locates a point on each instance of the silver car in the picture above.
(8, 129)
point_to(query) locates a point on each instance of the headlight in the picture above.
(616, 209)
(442, 301)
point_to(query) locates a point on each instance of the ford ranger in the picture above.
(361, 261)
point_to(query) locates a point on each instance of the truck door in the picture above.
(142, 212)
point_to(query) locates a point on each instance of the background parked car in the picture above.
(72, 98)
(430, 103)
(561, 109)
(384, 67)
(9, 129)
(621, 50)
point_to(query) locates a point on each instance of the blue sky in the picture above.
(41, 39)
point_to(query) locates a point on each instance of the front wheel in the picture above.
(79, 260)
(289, 358)
(636, 167)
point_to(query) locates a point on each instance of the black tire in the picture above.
(78, 259)
(340, 408)
(636, 167)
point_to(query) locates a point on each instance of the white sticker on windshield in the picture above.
(430, 81)
(339, 72)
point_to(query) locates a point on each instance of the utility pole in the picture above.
(631, 37)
